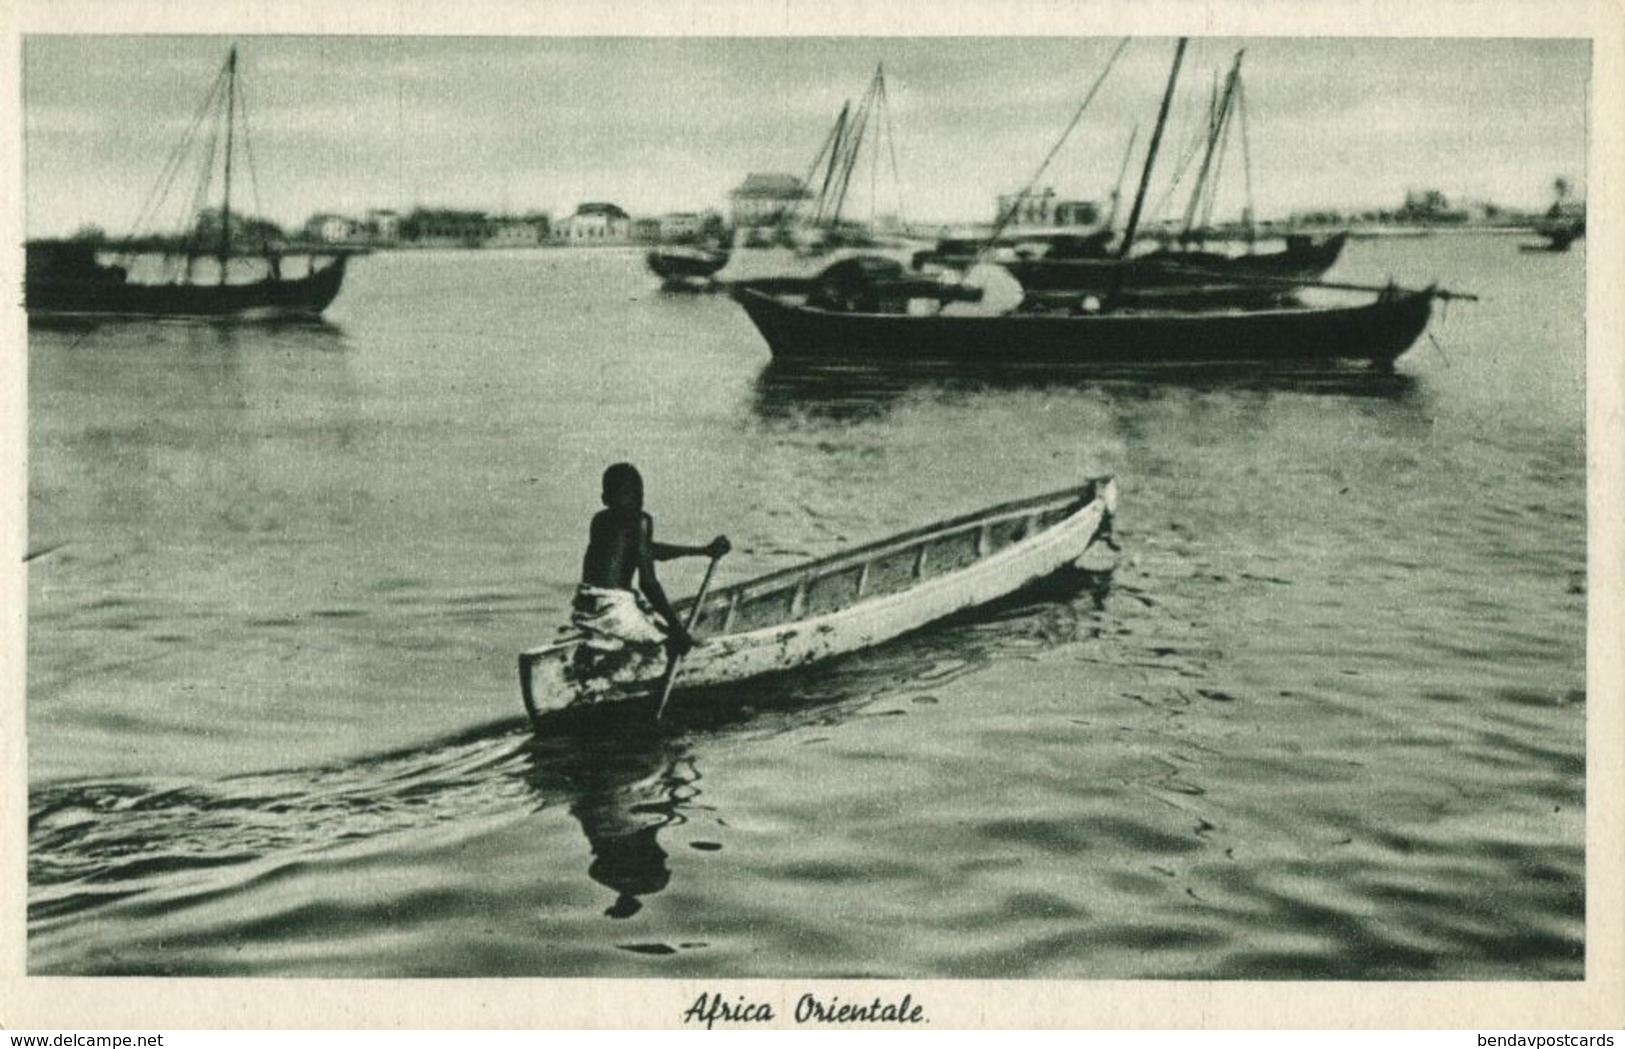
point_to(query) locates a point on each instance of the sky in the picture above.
(657, 124)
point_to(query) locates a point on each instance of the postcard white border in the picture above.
(29, 1003)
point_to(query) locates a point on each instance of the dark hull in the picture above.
(679, 265)
(1560, 234)
(103, 292)
(1180, 270)
(1377, 332)
(1168, 276)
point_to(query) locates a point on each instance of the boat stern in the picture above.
(569, 673)
(1100, 555)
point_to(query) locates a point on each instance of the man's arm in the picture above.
(650, 583)
(670, 551)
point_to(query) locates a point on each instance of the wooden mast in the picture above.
(1150, 161)
(837, 143)
(1122, 173)
(231, 122)
(1216, 134)
(854, 146)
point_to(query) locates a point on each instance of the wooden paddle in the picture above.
(693, 616)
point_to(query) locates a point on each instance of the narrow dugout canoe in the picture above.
(843, 603)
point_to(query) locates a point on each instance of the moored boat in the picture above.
(68, 278)
(1064, 266)
(678, 263)
(1377, 332)
(220, 265)
(1560, 231)
(875, 316)
(1563, 223)
(1051, 271)
(846, 602)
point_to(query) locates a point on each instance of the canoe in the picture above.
(1377, 332)
(849, 601)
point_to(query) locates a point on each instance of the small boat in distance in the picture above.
(1563, 224)
(846, 602)
(681, 265)
(204, 271)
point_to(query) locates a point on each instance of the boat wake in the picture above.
(142, 849)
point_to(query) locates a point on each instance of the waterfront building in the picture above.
(526, 231)
(1040, 208)
(330, 229)
(595, 223)
(766, 199)
(383, 225)
(446, 228)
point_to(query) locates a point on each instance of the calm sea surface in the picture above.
(1327, 721)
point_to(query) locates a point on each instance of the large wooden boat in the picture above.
(1066, 265)
(795, 329)
(70, 278)
(207, 270)
(847, 602)
(1052, 269)
(873, 314)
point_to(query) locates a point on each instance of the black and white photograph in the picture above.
(812, 518)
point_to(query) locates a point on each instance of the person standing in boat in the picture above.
(616, 616)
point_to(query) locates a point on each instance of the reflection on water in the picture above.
(854, 393)
(1327, 721)
(624, 781)
(627, 778)
(312, 333)
(151, 853)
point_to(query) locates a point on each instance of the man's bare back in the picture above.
(621, 548)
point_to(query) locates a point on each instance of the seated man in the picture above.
(615, 617)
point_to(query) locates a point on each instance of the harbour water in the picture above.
(1327, 721)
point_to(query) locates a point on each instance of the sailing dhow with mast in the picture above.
(865, 310)
(1185, 272)
(206, 270)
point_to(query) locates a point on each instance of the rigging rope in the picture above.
(205, 179)
(1246, 158)
(854, 147)
(891, 140)
(1180, 167)
(1020, 198)
(787, 214)
(253, 172)
(1211, 189)
(1205, 193)
(874, 169)
(836, 145)
(159, 193)
(1198, 134)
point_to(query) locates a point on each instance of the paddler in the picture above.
(607, 607)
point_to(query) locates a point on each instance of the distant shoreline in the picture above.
(1355, 231)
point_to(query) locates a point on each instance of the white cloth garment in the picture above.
(613, 618)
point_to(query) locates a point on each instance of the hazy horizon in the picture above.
(672, 124)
